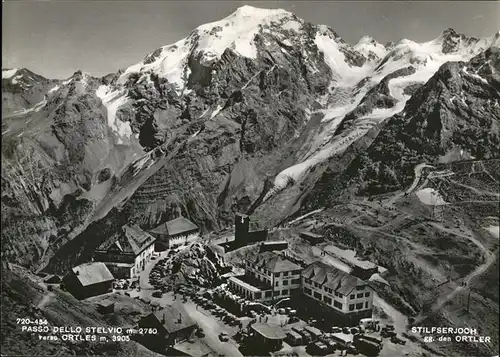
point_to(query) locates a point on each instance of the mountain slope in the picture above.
(242, 114)
(23, 90)
(454, 116)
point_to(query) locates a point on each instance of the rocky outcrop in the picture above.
(22, 90)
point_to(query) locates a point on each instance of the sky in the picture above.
(57, 38)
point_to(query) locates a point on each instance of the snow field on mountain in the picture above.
(494, 230)
(426, 57)
(367, 44)
(112, 100)
(237, 32)
(430, 197)
(335, 59)
(8, 73)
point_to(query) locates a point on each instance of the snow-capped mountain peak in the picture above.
(209, 41)
(370, 48)
(9, 72)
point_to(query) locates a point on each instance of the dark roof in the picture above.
(311, 234)
(331, 277)
(269, 332)
(176, 226)
(275, 263)
(294, 334)
(92, 273)
(130, 239)
(172, 318)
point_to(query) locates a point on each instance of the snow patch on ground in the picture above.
(377, 277)
(9, 73)
(195, 134)
(431, 197)
(216, 111)
(494, 230)
(464, 70)
(112, 100)
(292, 25)
(14, 80)
(37, 107)
(53, 89)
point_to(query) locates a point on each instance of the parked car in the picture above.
(157, 294)
(336, 329)
(223, 337)
(352, 350)
(346, 330)
(399, 341)
(386, 333)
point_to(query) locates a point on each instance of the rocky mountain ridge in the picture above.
(241, 115)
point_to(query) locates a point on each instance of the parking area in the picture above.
(225, 319)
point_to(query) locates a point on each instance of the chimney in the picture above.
(180, 318)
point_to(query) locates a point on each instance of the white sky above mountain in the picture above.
(55, 39)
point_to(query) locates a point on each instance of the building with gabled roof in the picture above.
(313, 238)
(268, 277)
(88, 279)
(173, 325)
(126, 252)
(194, 348)
(175, 232)
(341, 293)
(268, 337)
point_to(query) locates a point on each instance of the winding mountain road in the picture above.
(418, 174)
(489, 260)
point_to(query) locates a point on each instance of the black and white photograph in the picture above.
(250, 178)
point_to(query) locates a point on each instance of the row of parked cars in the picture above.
(216, 310)
(161, 269)
(121, 284)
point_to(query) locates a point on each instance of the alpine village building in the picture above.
(174, 233)
(127, 252)
(88, 280)
(173, 325)
(339, 294)
(332, 292)
(269, 277)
